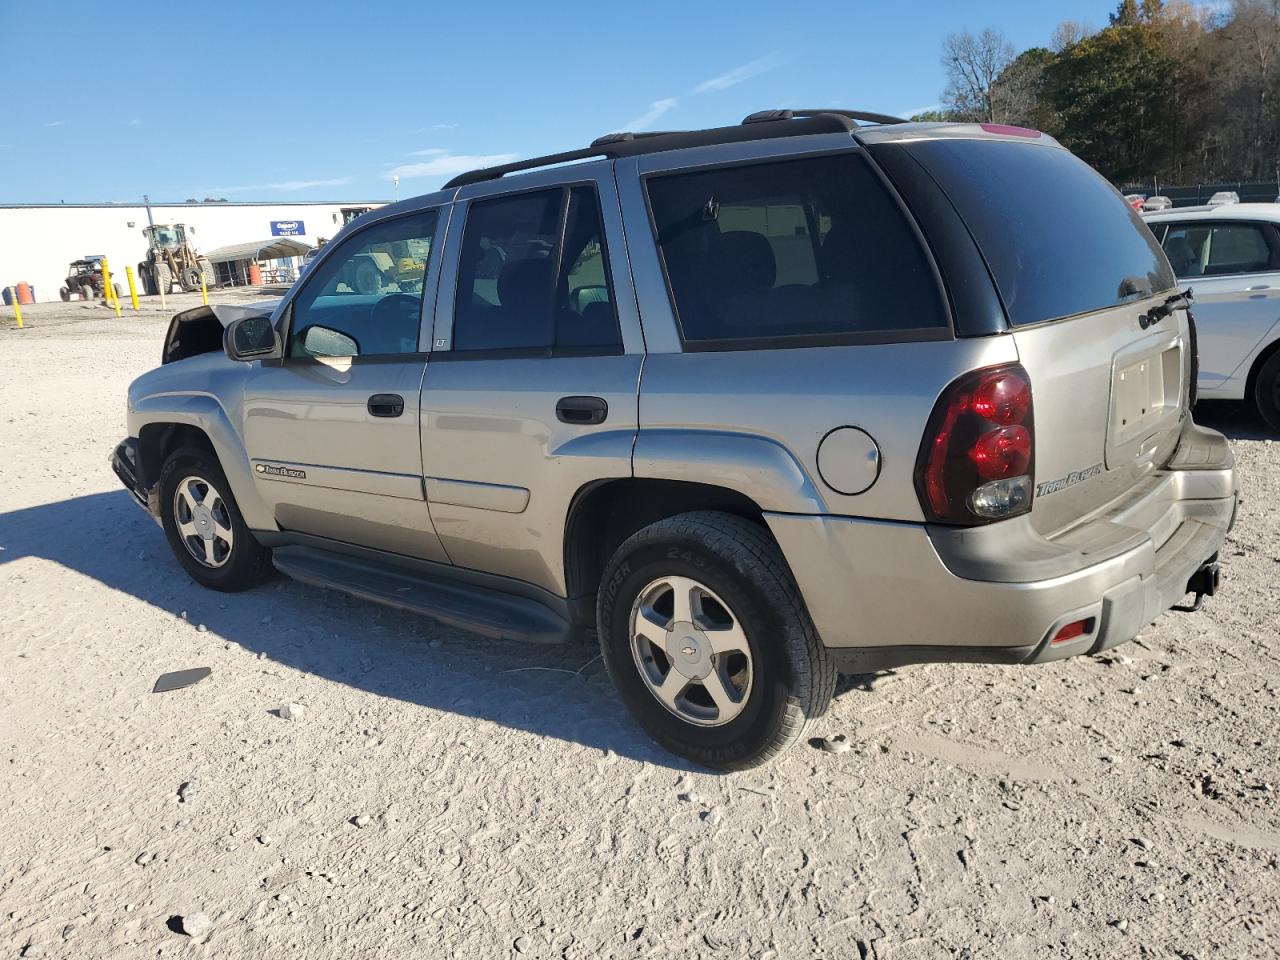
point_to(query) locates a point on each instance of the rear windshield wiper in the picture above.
(1183, 298)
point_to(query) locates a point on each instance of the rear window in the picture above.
(1057, 237)
(792, 253)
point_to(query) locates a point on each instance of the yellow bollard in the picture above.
(17, 309)
(108, 291)
(133, 289)
(204, 290)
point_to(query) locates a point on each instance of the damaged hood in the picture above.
(199, 330)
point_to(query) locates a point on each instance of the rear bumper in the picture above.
(884, 594)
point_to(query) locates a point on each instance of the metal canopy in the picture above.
(273, 249)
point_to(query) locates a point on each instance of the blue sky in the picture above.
(324, 100)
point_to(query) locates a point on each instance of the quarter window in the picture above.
(814, 249)
(1218, 249)
(534, 275)
(366, 298)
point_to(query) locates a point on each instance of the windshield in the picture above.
(1057, 237)
(165, 236)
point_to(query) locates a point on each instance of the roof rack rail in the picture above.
(765, 125)
(862, 116)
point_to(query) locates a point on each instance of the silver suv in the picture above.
(820, 392)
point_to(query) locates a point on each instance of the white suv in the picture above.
(1230, 257)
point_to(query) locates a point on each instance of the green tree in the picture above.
(1126, 14)
(932, 116)
(1109, 98)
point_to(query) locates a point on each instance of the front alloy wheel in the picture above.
(203, 525)
(203, 522)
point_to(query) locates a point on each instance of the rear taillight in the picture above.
(977, 460)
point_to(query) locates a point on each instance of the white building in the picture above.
(38, 241)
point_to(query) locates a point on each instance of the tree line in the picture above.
(1168, 91)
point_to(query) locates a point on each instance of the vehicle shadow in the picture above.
(554, 691)
(1237, 420)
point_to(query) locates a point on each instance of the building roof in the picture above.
(272, 249)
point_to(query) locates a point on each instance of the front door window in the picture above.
(366, 298)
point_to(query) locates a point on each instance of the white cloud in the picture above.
(55, 123)
(135, 122)
(737, 75)
(429, 152)
(730, 78)
(445, 164)
(287, 186)
(650, 116)
(445, 126)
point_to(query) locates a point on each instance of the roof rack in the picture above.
(862, 116)
(765, 125)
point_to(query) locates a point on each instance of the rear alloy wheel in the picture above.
(691, 651)
(1266, 392)
(704, 633)
(204, 527)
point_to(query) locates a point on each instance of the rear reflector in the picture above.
(1010, 131)
(1073, 630)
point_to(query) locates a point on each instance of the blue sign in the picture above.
(288, 228)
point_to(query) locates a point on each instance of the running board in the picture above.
(468, 606)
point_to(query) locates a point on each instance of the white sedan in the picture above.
(1230, 256)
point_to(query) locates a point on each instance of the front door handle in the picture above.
(581, 410)
(386, 405)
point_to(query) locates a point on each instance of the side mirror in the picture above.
(326, 342)
(251, 338)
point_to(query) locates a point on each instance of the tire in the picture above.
(206, 271)
(1266, 392)
(87, 291)
(65, 294)
(189, 280)
(240, 562)
(786, 679)
(163, 278)
(146, 279)
(367, 277)
(118, 291)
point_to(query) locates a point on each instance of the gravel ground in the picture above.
(443, 795)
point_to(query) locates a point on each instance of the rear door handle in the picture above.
(386, 405)
(581, 410)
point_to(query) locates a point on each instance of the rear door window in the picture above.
(1057, 237)
(792, 253)
(1219, 249)
(534, 276)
